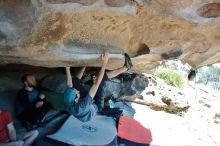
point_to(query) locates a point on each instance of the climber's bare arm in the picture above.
(69, 81)
(95, 86)
(80, 72)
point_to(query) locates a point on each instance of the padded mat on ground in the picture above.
(133, 131)
(101, 130)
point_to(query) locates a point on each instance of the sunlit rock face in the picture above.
(54, 33)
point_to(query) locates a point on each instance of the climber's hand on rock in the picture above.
(105, 57)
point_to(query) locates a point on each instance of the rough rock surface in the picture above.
(138, 88)
(56, 83)
(55, 33)
(155, 93)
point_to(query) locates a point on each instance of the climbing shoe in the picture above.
(128, 62)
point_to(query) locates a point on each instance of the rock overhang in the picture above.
(52, 33)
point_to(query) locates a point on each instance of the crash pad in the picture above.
(133, 131)
(101, 130)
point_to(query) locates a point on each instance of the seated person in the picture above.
(78, 101)
(8, 133)
(31, 104)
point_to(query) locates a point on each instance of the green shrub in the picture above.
(171, 78)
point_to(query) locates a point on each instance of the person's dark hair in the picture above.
(192, 74)
(93, 74)
(24, 77)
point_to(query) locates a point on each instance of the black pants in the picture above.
(42, 111)
(36, 115)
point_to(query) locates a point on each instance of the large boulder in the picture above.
(155, 93)
(55, 83)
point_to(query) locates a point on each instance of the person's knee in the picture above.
(35, 133)
(31, 134)
(16, 143)
(20, 143)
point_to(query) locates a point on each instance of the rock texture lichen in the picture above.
(54, 33)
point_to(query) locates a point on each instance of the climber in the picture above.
(78, 101)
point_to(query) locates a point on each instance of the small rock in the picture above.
(217, 116)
